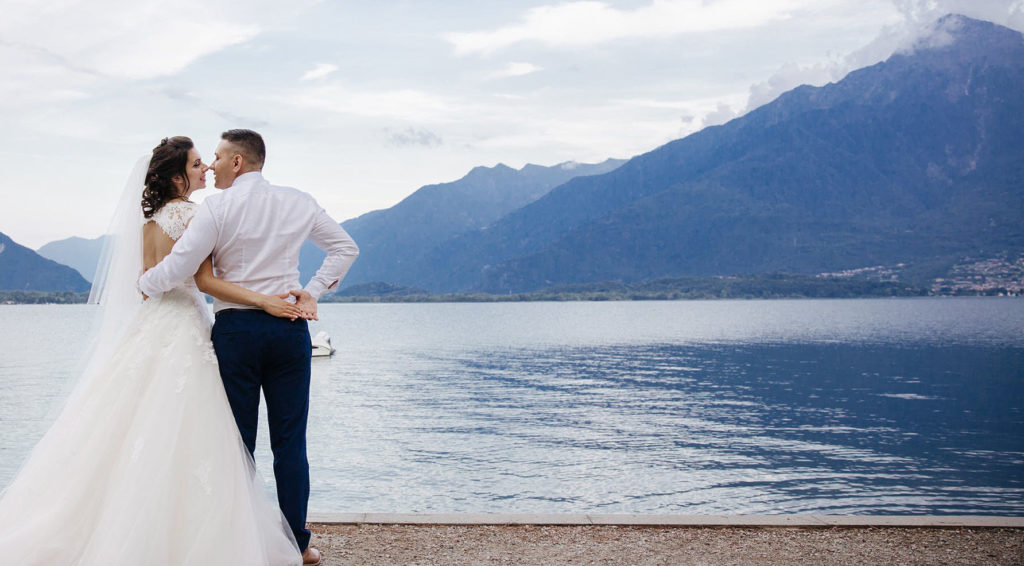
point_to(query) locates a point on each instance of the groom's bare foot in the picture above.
(311, 557)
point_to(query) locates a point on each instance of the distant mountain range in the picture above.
(80, 254)
(392, 240)
(24, 269)
(915, 161)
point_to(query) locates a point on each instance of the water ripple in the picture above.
(699, 407)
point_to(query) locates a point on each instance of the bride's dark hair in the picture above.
(170, 159)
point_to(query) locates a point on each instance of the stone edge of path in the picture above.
(803, 521)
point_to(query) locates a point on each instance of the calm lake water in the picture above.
(827, 406)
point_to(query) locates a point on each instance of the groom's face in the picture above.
(227, 163)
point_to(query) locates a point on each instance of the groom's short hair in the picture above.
(249, 144)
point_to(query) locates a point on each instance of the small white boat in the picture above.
(322, 345)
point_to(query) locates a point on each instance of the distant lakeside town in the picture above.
(991, 277)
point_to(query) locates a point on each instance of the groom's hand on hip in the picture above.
(306, 304)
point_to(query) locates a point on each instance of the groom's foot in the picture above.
(311, 557)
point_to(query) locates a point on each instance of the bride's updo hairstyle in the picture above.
(170, 160)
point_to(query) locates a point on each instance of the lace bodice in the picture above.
(174, 216)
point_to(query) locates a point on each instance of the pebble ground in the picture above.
(423, 545)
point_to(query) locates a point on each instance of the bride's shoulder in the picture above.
(177, 207)
(173, 217)
(174, 211)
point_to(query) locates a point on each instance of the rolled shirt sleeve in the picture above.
(194, 246)
(341, 250)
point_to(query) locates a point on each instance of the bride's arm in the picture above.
(231, 293)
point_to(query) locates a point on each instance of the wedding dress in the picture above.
(145, 465)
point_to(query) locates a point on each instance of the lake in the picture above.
(887, 406)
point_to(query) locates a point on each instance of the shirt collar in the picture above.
(250, 177)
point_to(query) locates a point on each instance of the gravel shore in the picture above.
(423, 545)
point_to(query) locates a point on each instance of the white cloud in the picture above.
(917, 18)
(1009, 13)
(693, 113)
(792, 75)
(123, 38)
(516, 70)
(653, 103)
(589, 23)
(32, 76)
(320, 71)
(412, 137)
(720, 115)
(403, 104)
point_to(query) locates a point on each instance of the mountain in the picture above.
(916, 159)
(22, 269)
(80, 254)
(390, 240)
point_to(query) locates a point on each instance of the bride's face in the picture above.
(196, 171)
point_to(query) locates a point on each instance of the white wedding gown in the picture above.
(145, 465)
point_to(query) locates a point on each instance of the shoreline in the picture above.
(751, 286)
(373, 539)
(804, 521)
(441, 299)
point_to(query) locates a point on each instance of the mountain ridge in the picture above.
(392, 238)
(80, 254)
(23, 269)
(871, 169)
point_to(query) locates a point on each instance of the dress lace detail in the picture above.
(174, 217)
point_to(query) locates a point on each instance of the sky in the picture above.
(361, 103)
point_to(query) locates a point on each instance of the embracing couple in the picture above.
(150, 461)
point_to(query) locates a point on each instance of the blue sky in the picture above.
(362, 103)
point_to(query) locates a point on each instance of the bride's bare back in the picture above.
(163, 229)
(156, 244)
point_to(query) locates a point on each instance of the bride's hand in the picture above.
(277, 306)
(306, 304)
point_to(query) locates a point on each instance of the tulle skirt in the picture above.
(144, 464)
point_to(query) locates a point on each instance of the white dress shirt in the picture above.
(254, 231)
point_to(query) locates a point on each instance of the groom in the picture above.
(254, 231)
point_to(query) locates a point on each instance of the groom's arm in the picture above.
(341, 250)
(188, 253)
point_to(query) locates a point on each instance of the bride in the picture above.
(144, 464)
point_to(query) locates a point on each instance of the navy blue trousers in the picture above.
(256, 350)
